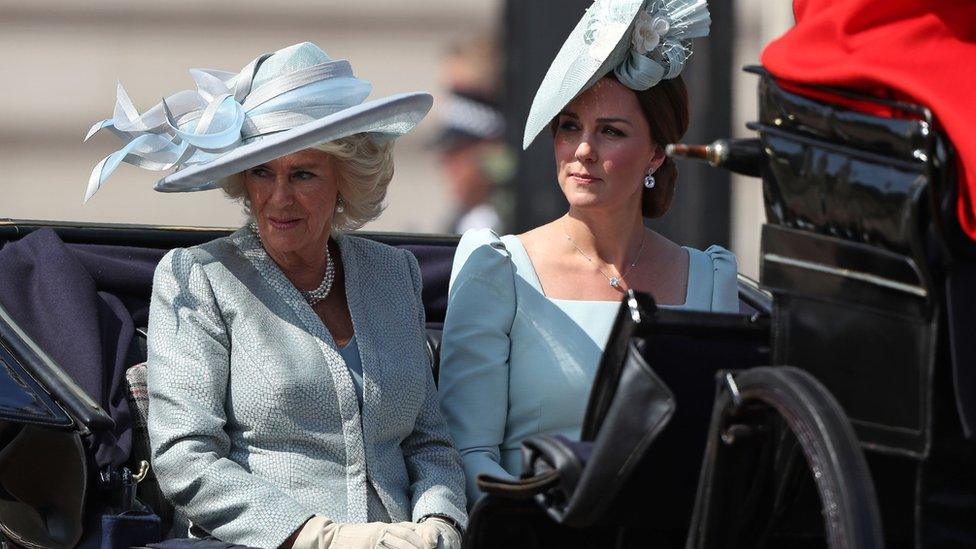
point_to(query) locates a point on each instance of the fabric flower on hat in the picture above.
(648, 31)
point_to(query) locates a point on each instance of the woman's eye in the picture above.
(567, 126)
(610, 130)
(303, 175)
(260, 172)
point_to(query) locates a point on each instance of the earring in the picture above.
(339, 207)
(649, 180)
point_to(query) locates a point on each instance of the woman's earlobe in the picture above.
(655, 164)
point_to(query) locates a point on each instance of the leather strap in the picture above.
(523, 488)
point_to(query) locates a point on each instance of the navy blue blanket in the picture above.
(81, 304)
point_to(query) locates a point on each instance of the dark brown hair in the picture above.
(665, 107)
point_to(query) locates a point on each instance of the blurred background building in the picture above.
(62, 59)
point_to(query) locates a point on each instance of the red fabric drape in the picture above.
(923, 51)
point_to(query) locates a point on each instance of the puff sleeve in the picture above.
(475, 348)
(725, 285)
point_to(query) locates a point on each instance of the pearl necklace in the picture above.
(316, 296)
(319, 294)
(613, 280)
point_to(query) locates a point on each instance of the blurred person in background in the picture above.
(473, 156)
(474, 159)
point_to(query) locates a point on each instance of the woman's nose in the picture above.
(585, 151)
(281, 194)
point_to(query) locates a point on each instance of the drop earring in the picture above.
(339, 207)
(649, 180)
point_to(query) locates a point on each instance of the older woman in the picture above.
(529, 314)
(291, 400)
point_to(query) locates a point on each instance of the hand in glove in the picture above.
(439, 534)
(322, 533)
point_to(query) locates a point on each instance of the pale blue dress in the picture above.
(515, 363)
(354, 361)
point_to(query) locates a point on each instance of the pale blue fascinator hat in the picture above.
(641, 41)
(280, 103)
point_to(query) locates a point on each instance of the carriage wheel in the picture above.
(780, 451)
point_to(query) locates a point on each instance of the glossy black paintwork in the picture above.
(860, 241)
(898, 137)
(22, 400)
(842, 173)
(37, 370)
(846, 254)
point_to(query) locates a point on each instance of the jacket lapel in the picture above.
(374, 420)
(356, 292)
(252, 249)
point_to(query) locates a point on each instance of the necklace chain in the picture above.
(613, 280)
(314, 297)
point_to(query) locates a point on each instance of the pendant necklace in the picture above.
(613, 280)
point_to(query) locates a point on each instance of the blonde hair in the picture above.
(364, 168)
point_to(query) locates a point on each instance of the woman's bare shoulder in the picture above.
(539, 238)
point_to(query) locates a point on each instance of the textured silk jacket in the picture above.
(253, 416)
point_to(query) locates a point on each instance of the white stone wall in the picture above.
(759, 22)
(62, 59)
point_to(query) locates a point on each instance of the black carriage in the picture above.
(835, 409)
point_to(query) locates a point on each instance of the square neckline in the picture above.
(538, 283)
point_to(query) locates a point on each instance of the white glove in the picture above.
(322, 533)
(439, 534)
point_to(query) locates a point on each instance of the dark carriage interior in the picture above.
(652, 507)
(43, 263)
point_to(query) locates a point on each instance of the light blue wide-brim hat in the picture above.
(641, 41)
(279, 104)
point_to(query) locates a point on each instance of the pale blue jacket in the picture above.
(253, 416)
(516, 363)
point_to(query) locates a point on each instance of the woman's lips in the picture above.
(282, 223)
(584, 179)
